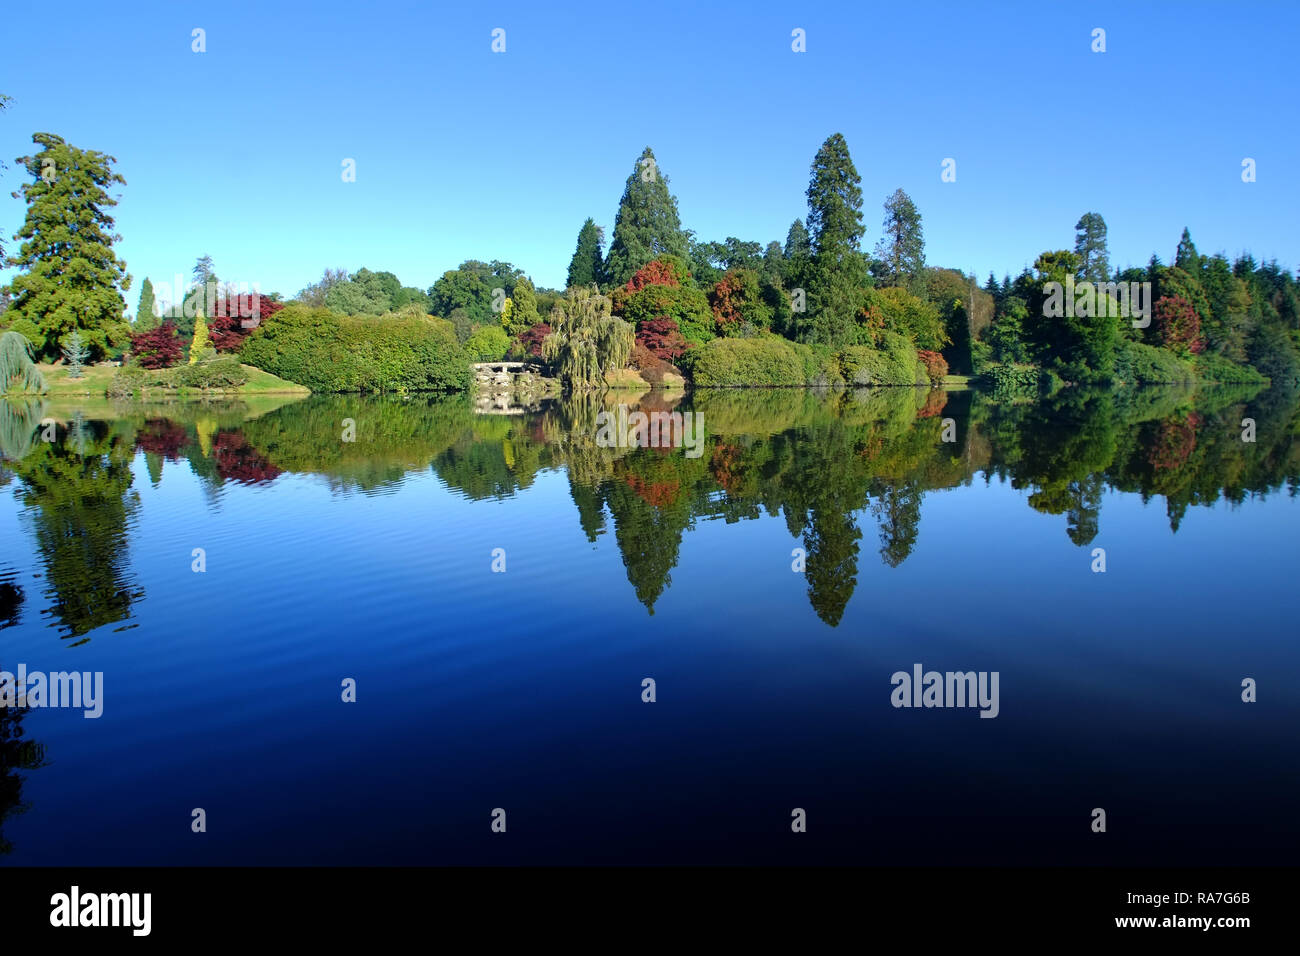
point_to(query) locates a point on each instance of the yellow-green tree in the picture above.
(200, 343)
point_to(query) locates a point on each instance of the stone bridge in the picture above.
(503, 373)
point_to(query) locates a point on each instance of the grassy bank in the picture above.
(96, 379)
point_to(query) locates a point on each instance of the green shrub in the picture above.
(1139, 364)
(1008, 382)
(359, 353)
(766, 360)
(1222, 371)
(821, 365)
(893, 362)
(225, 372)
(126, 381)
(487, 343)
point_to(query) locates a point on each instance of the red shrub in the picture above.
(1178, 325)
(530, 341)
(243, 314)
(662, 338)
(157, 348)
(936, 366)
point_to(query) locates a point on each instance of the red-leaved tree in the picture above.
(1178, 325)
(936, 366)
(662, 338)
(657, 272)
(243, 314)
(530, 340)
(157, 348)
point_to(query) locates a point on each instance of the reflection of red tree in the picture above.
(162, 437)
(935, 400)
(237, 460)
(659, 494)
(724, 465)
(1175, 441)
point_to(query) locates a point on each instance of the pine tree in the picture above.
(200, 343)
(146, 316)
(4, 104)
(587, 264)
(647, 226)
(1187, 258)
(902, 247)
(76, 353)
(72, 279)
(1090, 247)
(837, 272)
(796, 241)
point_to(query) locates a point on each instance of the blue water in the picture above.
(522, 690)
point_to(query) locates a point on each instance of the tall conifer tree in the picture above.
(647, 226)
(71, 277)
(588, 260)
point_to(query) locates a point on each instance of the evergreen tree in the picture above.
(796, 241)
(523, 309)
(1187, 258)
(992, 288)
(902, 247)
(1090, 247)
(202, 271)
(4, 104)
(200, 343)
(587, 264)
(75, 353)
(647, 226)
(837, 271)
(201, 299)
(146, 317)
(72, 278)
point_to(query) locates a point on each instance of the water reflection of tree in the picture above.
(17, 753)
(81, 504)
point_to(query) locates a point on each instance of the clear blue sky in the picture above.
(462, 153)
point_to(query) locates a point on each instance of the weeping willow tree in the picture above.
(17, 370)
(18, 424)
(586, 339)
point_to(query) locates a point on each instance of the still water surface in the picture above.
(372, 560)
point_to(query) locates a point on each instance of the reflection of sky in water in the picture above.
(522, 689)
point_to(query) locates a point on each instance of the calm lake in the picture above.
(770, 586)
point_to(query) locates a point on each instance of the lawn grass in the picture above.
(95, 379)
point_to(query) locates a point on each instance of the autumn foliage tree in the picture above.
(530, 340)
(236, 319)
(1178, 325)
(737, 303)
(664, 289)
(662, 339)
(936, 366)
(157, 348)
